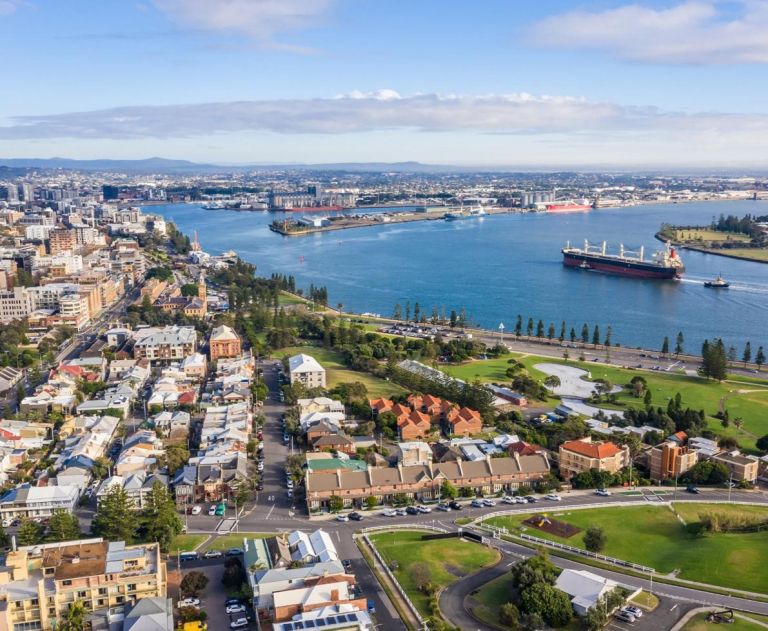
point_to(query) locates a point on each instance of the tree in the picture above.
(371, 502)
(421, 575)
(193, 583)
(335, 503)
(594, 539)
(447, 490)
(549, 602)
(760, 358)
(189, 290)
(234, 573)
(561, 337)
(30, 533)
(176, 456)
(596, 336)
(540, 329)
(529, 327)
(747, 355)
(551, 331)
(161, 522)
(397, 313)
(100, 467)
(73, 618)
(679, 343)
(572, 335)
(608, 334)
(665, 346)
(509, 615)
(552, 382)
(115, 519)
(762, 443)
(63, 526)
(519, 326)
(454, 318)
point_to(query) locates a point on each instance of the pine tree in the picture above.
(760, 358)
(454, 318)
(718, 361)
(540, 329)
(561, 338)
(551, 331)
(679, 343)
(573, 335)
(608, 334)
(529, 327)
(596, 336)
(585, 333)
(63, 526)
(519, 326)
(747, 356)
(115, 519)
(665, 346)
(161, 522)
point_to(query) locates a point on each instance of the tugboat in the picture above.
(718, 283)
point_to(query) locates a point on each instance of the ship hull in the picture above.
(619, 267)
(568, 208)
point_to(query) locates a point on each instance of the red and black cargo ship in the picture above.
(663, 265)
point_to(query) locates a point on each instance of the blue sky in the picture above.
(503, 82)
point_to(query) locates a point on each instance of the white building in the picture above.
(38, 501)
(584, 588)
(306, 370)
(15, 305)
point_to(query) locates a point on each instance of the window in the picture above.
(131, 587)
(66, 583)
(102, 591)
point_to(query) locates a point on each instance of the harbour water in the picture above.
(498, 267)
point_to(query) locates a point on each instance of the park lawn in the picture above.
(746, 400)
(487, 601)
(699, 623)
(759, 254)
(690, 511)
(186, 543)
(447, 559)
(653, 536)
(235, 540)
(285, 298)
(337, 372)
(685, 235)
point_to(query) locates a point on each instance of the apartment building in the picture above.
(224, 342)
(741, 467)
(38, 501)
(62, 240)
(38, 583)
(306, 370)
(165, 344)
(670, 460)
(15, 304)
(577, 456)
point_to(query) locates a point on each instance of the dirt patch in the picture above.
(455, 571)
(552, 526)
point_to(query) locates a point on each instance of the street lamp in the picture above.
(501, 333)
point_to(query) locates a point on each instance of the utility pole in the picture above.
(730, 485)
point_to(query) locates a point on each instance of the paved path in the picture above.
(572, 380)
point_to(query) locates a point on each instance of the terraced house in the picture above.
(423, 482)
(38, 583)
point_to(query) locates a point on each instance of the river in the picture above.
(500, 266)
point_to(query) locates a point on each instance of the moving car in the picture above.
(444, 507)
(196, 510)
(189, 602)
(476, 504)
(213, 554)
(693, 489)
(455, 505)
(553, 497)
(424, 509)
(602, 492)
(488, 502)
(342, 517)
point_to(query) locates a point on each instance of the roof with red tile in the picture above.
(592, 449)
(381, 405)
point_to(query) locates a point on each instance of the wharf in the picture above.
(292, 229)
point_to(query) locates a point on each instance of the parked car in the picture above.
(239, 623)
(260, 465)
(412, 510)
(476, 503)
(509, 500)
(488, 502)
(6, 523)
(635, 611)
(693, 489)
(444, 507)
(531, 499)
(236, 608)
(423, 509)
(356, 516)
(625, 616)
(401, 512)
(234, 552)
(196, 510)
(189, 602)
(212, 510)
(220, 509)
(213, 554)
(602, 492)
(389, 512)
(342, 517)
(289, 484)
(553, 497)
(521, 500)
(233, 601)
(454, 505)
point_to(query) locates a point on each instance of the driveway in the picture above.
(572, 380)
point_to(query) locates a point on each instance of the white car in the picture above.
(553, 497)
(509, 500)
(488, 502)
(602, 492)
(342, 517)
(196, 510)
(212, 510)
(260, 466)
(6, 523)
(389, 512)
(289, 484)
(520, 500)
(239, 623)
(189, 602)
(424, 509)
(236, 609)
(213, 554)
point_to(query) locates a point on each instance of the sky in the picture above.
(523, 83)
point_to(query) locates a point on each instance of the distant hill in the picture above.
(148, 164)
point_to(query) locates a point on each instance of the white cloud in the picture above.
(259, 19)
(694, 32)
(9, 6)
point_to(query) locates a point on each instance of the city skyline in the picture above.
(668, 84)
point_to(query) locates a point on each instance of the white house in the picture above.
(306, 370)
(38, 501)
(584, 588)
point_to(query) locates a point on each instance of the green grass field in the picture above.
(337, 372)
(235, 540)
(759, 254)
(447, 559)
(699, 623)
(186, 543)
(693, 235)
(487, 601)
(654, 536)
(748, 400)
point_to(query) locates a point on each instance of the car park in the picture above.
(625, 616)
(238, 608)
(553, 497)
(356, 516)
(189, 602)
(443, 507)
(213, 554)
(602, 492)
(635, 611)
(488, 502)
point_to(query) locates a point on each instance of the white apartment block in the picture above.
(306, 370)
(15, 305)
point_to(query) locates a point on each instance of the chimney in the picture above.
(334, 595)
(516, 456)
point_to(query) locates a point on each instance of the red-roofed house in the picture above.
(464, 422)
(398, 409)
(380, 405)
(581, 455)
(413, 425)
(524, 449)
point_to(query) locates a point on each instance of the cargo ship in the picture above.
(569, 207)
(663, 265)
